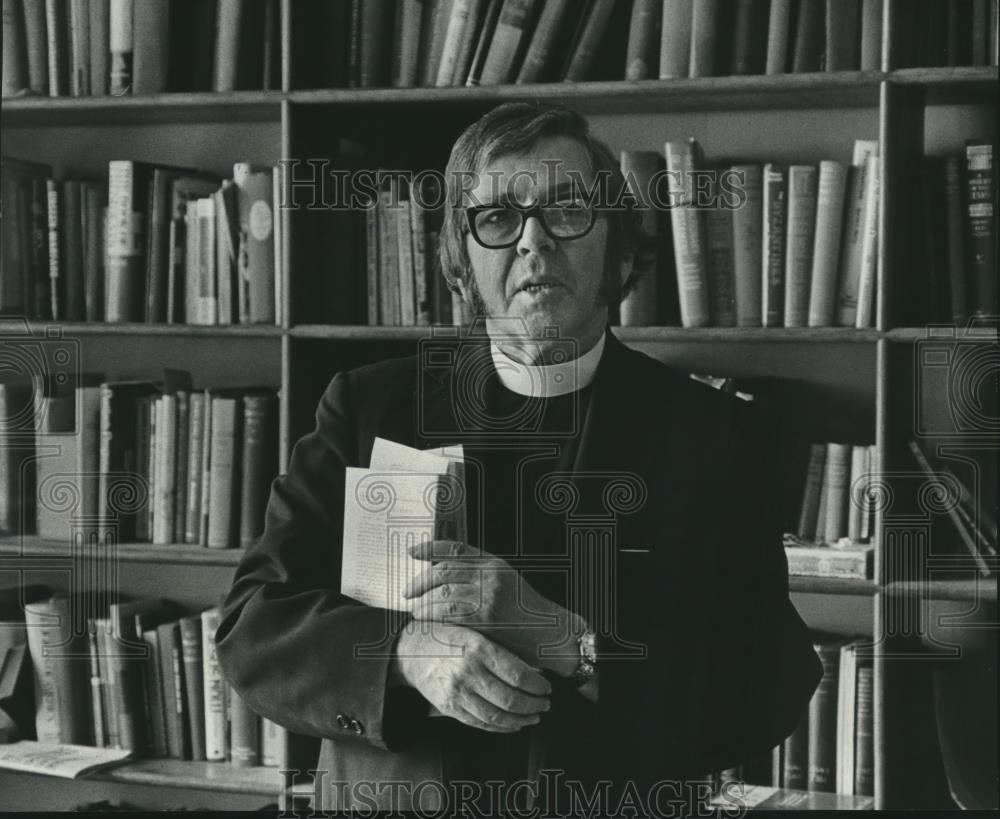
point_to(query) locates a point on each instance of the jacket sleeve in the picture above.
(299, 652)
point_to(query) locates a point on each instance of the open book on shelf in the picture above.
(63, 760)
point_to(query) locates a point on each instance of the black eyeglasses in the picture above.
(499, 226)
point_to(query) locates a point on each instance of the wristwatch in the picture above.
(587, 667)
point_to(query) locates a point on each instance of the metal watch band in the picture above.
(587, 667)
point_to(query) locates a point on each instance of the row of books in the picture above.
(488, 42)
(832, 748)
(938, 33)
(153, 243)
(758, 245)
(954, 196)
(137, 676)
(152, 462)
(86, 48)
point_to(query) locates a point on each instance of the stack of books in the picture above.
(153, 243)
(87, 48)
(140, 678)
(760, 245)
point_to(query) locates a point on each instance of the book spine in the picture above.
(585, 52)
(96, 697)
(41, 633)
(227, 311)
(778, 26)
(869, 245)
(795, 758)
(981, 225)
(675, 38)
(256, 240)
(643, 40)
(53, 200)
(479, 56)
(773, 246)
(278, 260)
(826, 562)
(747, 252)
(192, 528)
(453, 40)
(808, 53)
(822, 761)
(852, 245)
(245, 734)
(846, 690)
(191, 256)
(124, 243)
(36, 46)
(802, 180)
(166, 487)
(170, 666)
(955, 232)
(689, 235)
(418, 236)
(216, 743)
(93, 274)
(388, 268)
(704, 37)
(871, 35)
(14, 73)
(194, 684)
(151, 36)
(259, 464)
(411, 13)
(864, 747)
(542, 40)
(835, 485)
(404, 256)
(813, 487)
(72, 213)
(108, 683)
(506, 40)
(858, 492)
(229, 16)
(376, 23)
(126, 673)
(100, 47)
(842, 35)
(206, 470)
(79, 48)
(372, 255)
(832, 190)
(55, 27)
(121, 41)
(223, 514)
(436, 33)
(207, 298)
(145, 442)
(180, 476)
(719, 232)
(272, 739)
(638, 308)
(153, 683)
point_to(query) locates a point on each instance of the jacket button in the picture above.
(357, 727)
(343, 722)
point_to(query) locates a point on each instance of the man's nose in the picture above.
(534, 239)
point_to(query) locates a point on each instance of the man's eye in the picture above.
(496, 217)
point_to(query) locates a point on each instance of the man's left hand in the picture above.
(467, 586)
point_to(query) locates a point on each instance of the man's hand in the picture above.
(467, 586)
(467, 676)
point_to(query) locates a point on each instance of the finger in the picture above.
(496, 717)
(437, 575)
(510, 699)
(436, 550)
(448, 602)
(514, 671)
(465, 715)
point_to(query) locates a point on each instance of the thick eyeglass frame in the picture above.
(526, 211)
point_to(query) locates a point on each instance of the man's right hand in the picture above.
(467, 676)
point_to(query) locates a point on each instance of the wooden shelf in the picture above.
(948, 86)
(785, 91)
(196, 108)
(215, 776)
(90, 328)
(973, 588)
(804, 584)
(30, 546)
(983, 335)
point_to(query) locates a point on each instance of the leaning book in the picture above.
(55, 759)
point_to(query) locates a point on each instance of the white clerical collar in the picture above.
(547, 380)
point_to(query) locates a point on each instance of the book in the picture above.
(153, 685)
(231, 289)
(172, 679)
(376, 569)
(56, 451)
(454, 38)
(800, 241)
(181, 285)
(822, 758)
(778, 27)
(861, 201)
(869, 246)
(830, 199)
(224, 445)
(57, 47)
(165, 468)
(806, 558)
(981, 225)
(67, 761)
(721, 284)
(72, 251)
(584, 53)
(704, 38)
(808, 51)
(749, 37)
(151, 40)
(259, 461)
(216, 728)
(757, 797)
(638, 308)
(795, 756)
(505, 41)
(836, 488)
(811, 494)
(53, 199)
(376, 30)
(196, 443)
(37, 46)
(244, 733)
(407, 46)
(843, 35)
(100, 46)
(688, 224)
(675, 38)
(775, 213)
(470, 36)
(79, 48)
(17, 453)
(255, 247)
(15, 68)
(864, 735)
(870, 57)
(642, 51)
(98, 695)
(858, 495)
(121, 37)
(846, 708)
(747, 251)
(128, 186)
(479, 55)
(194, 684)
(954, 238)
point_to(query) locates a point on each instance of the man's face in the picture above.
(540, 282)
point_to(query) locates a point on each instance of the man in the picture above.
(620, 612)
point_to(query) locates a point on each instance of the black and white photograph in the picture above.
(499, 408)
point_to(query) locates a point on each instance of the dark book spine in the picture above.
(42, 306)
(775, 211)
(259, 463)
(194, 684)
(864, 740)
(72, 220)
(153, 684)
(822, 758)
(808, 53)
(981, 225)
(795, 758)
(171, 677)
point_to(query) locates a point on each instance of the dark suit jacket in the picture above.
(728, 668)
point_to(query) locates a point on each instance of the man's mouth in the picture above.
(538, 287)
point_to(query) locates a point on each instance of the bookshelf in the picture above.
(860, 383)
